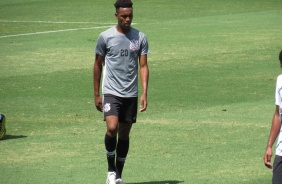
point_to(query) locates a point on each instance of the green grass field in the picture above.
(213, 66)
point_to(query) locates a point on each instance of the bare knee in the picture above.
(112, 125)
(111, 132)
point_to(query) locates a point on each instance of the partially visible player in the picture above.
(275, 132)
(120, 50)
(2, 126)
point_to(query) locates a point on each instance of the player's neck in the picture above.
(122, 30)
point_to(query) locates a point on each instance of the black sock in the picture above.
(122, 150)
(110, 144)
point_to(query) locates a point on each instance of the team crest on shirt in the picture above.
(134, 44)
(107, 107)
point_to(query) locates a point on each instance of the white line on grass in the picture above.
(55, 31)
(50, 22)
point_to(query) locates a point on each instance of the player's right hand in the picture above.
(98, 103)
(267, 158)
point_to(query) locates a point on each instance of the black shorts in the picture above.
(277, 170)
(124, 108)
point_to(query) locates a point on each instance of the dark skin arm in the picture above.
(144, 75)
(274, 131)
(97, 71)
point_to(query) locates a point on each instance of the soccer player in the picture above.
(2, 126)
(276, 130)
(120, 50)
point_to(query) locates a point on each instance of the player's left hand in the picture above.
(143, 103)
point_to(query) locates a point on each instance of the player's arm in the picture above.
(144, 76)
(97, 72)
(274, 131)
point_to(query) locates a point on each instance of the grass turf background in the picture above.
(213, 67)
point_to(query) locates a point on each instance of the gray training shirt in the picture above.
(120, 68)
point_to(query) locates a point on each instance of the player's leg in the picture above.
(122, 147)
(110, 144)
(111, 141)
(127, 118)
(111, 108)
(277, 170)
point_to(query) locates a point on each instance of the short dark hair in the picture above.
(123, 4)
(280, 56)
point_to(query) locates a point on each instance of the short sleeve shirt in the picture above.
(278, 101)
(120, 67)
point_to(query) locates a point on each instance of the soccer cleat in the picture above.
(119, 181)
(111, 178)
(2, 126)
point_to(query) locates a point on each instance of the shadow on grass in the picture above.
(159, 182)
(7, 137)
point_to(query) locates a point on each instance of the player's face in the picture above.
(124, 17)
